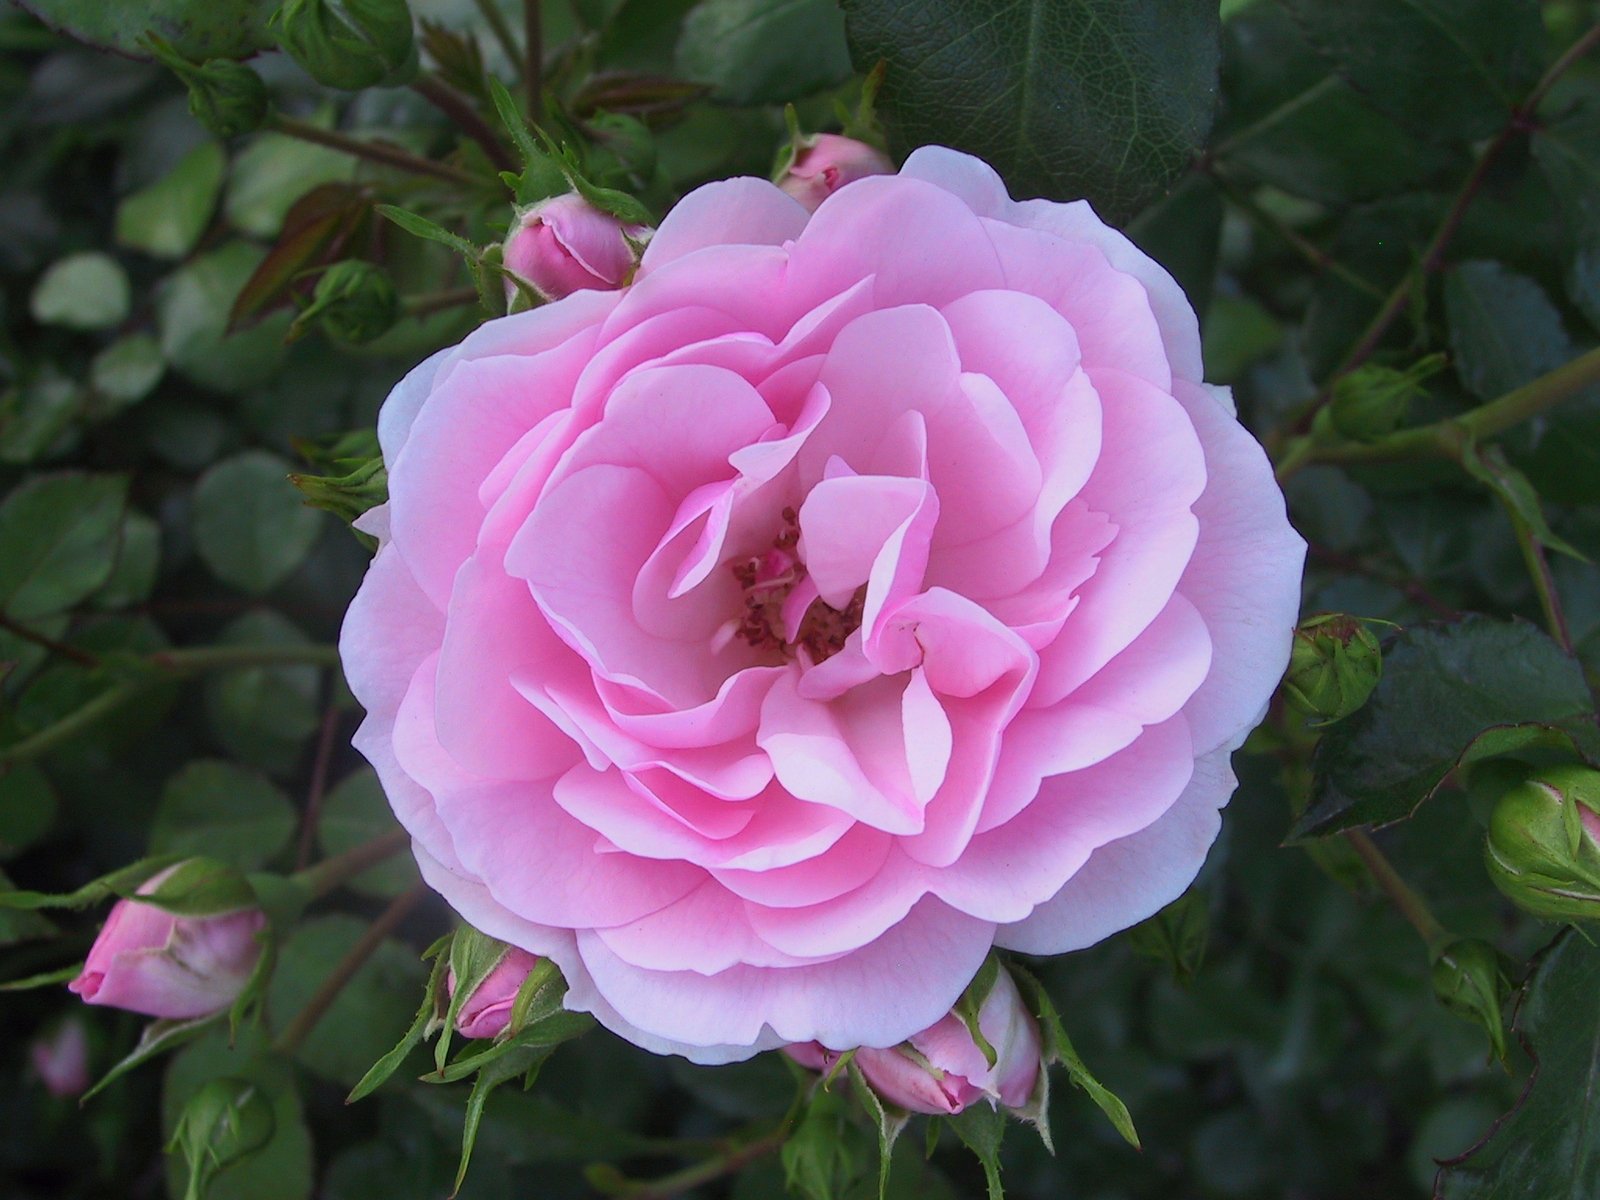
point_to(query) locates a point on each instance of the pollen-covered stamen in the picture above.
(768, 582)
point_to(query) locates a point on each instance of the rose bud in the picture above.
(349, 44)
(487, 1011)
(1469, 980)
(61, 1058)
(1333, 667)
(825, 163)
(151, 961)
(354, 301)
(1372, 401)
(1543, 848)
(942, 1070)
(565, 245)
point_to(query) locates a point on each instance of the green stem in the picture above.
(296, 1032)
(686, 1180)
(496, 20)
(330, 873)
(1446, 439)
(197, 660)
(82, 657)
(456, 106)
(1544, 583)
(378, 152)
(431, 302)
(1410, 905)
(69, 726)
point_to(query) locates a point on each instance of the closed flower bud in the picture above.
(1468, 980)
(349, 44)
(61, 1058)
(565, 245)
(942, 1070)
(1333, 666)
(1543, 848)
(354, 301)
(227, 97)
(1372, 401)
(487, 1011)
(826, 162)
(151, 961)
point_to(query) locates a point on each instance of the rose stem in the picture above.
(1410, 905)
(456, 106)
(318, 786)
(77, 655)
(378, 152)
(1544, 584)
(328, 874)
(431, 302)
(736, 1159)
(344, 970)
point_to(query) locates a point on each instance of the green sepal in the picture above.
(157, 1038)
(386, 1066)
(982, 1128)
(890, 1120)
(971, 1003)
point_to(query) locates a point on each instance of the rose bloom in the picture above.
(853, 592)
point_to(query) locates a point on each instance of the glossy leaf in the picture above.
(250, 526)
(1503, 329)
(1098, 99)
(218, 809)
(198, 29)
(746, 49)
(58, 541)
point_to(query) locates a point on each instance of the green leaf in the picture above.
(250, 526)
(198, 29)
(1503, 329)
(747, 49)
(219, 809)
(27, 811)
(58, 541)
(81, 291)
(1545, 1149)
(133, 577)
(889, 1120)
(1176, 935)
(358, 1027)
(156, 1039)
(1489, 466)
(126, 370)
(982, 1128)
(166, 218)
(1099, 99)
(1447, 69)
(221, 1125)
(192, 308)
(523, 1062)
(264, 714)
(1475, 688)
(273, 174)
(1568, 152)
(354, 812)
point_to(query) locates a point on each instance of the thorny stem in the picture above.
(732, 1161)
(378, 152)
(431, 302)
(1410, 905)
(317, 788)
(296, 1032)
(456, 106)
(1544, 584)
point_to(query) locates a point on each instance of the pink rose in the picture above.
(487, 1012)
(61, 1058)
(942, 1069)
(854, 592)
(150, 961)
(565, 245)
(828, 162)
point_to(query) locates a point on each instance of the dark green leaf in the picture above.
(1546, 1148)
(250, 526)
(356, 811)
(1503, 329)
(198, 29)
(58, 541)
(747, 49)
(1443, 688)
(192, 310)
(1568, 151)
(224, 811)
(1448, 69)
(1099, 99)
(264, 714)
(82, 291)
(167, 217)
(1058, 1048)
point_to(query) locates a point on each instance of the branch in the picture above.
(456, 106)
(378, 152)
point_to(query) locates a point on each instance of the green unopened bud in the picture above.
(1469, 980)
(227, 97)
(354, 302)
(1333, 666)
(1372, 401)
(349, 44)
(225, 1121)
(1543, 848)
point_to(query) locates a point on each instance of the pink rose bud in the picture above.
(151, 961)
(565, 245)
(487, 1012)
(61, 1058)
(942, 1069)
(826, 163)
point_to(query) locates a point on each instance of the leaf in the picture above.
(1176, 935)
(356, 811)
(1546, 1149)
(58, 541)
(315, 230)
(198, 29)
(386, 1066)
(1489, 466)
(81, 291)
(264, 714)
(250, 527)
(524, 1062)
(889, 1120)
(746, 49)
(224, 811)
(1475, 688)
(157, 1038)
(192, 309)
(1503, 329)
(1568, 152)
(1447, 69)
(126, 370)
(1099, 99)
(28, 808)
(166, 218)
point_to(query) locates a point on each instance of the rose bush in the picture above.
(852, 593)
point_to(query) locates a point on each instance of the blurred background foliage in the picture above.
(1331, 183)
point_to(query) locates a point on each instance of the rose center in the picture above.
(776, 605)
